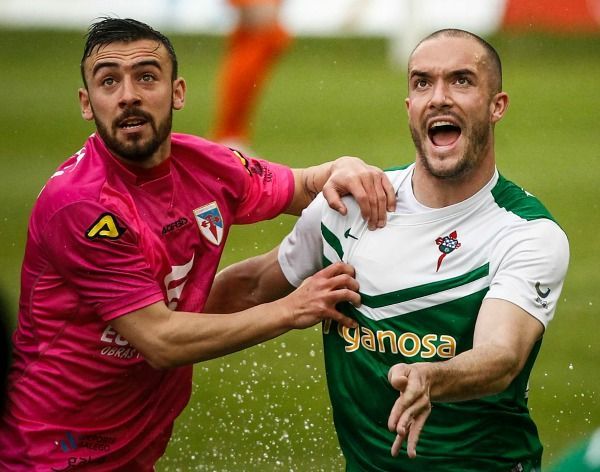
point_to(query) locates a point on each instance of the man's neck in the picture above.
(161, 155)
(435, 192)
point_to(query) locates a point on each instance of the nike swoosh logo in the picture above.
(540, 293)
(348, 235)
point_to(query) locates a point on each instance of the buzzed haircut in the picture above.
(495, 62)
(109, 30)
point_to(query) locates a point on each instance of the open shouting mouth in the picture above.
(443, 132)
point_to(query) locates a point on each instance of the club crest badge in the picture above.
(446, 244)
(210, 222)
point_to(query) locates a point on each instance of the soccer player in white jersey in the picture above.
(456, 291)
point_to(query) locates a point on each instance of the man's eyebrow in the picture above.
(454, 73)
(418, 73)
(463, 72)
(137, 65)
(102, 65)
(147, 62)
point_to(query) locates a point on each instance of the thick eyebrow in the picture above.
(418, 73)
(460, 72)
(137, 65)
(454, 73)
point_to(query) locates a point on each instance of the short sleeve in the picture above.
(301, 252)
(529, 265)
(268, 192)
(100, 256)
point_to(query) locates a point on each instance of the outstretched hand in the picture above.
(412, 408)
(369, 186)
(316, 298)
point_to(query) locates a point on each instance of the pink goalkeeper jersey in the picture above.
(102, 243)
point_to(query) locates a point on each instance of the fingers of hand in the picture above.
(397, 445)
(333, 285)
(378, 199)
(333, 196)
(398, 376)
(343, 320)
(395, 415)
(390, 193)
(409, 424)
(410, 432)
(366, 195)
(415, 431)
(369, 186)
(336, 269)
(382, 197)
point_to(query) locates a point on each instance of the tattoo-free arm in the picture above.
(248, 283)
(504, 337)
(169, 338)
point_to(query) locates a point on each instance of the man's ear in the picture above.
(85, 105)
(498, 106)
(179, 88)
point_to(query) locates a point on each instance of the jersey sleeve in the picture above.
(301, 252)
(530, 267)
(100, 256)
(268, 191)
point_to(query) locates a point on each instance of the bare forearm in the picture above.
(482, 371)
(169, 338)
(248, 283)
(503, 338)
(190, 338)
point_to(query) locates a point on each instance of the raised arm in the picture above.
(169, 338)
(504, 337)
(347, 175)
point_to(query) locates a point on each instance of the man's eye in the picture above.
(462, 81)
(147, 78)
(420, 83)
(108, 81)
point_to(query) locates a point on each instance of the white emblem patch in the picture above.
(210, 222)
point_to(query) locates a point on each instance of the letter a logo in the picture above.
(105, 227)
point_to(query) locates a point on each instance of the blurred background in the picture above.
(338, 90)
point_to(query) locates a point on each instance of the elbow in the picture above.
(159, 362)
(162, 356)
(509, 368)
(501, 384)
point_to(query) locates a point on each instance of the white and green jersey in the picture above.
(422, 281)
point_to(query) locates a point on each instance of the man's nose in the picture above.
(129, 93)
(440, 95)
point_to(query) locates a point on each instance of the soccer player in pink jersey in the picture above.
(122, 248)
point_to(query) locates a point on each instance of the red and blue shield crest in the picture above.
(210, 222)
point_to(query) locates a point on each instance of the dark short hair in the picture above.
(110, 30)
(496, 63)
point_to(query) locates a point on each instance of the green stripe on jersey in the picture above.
(516, 200)
(332, 240)
(399, 296)
(400, 167)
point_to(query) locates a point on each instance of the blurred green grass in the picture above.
(267, 408)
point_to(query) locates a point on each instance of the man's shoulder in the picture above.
(206, 157)
(79, 177)
(518, 201)
(188, 145)
(81, 180)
